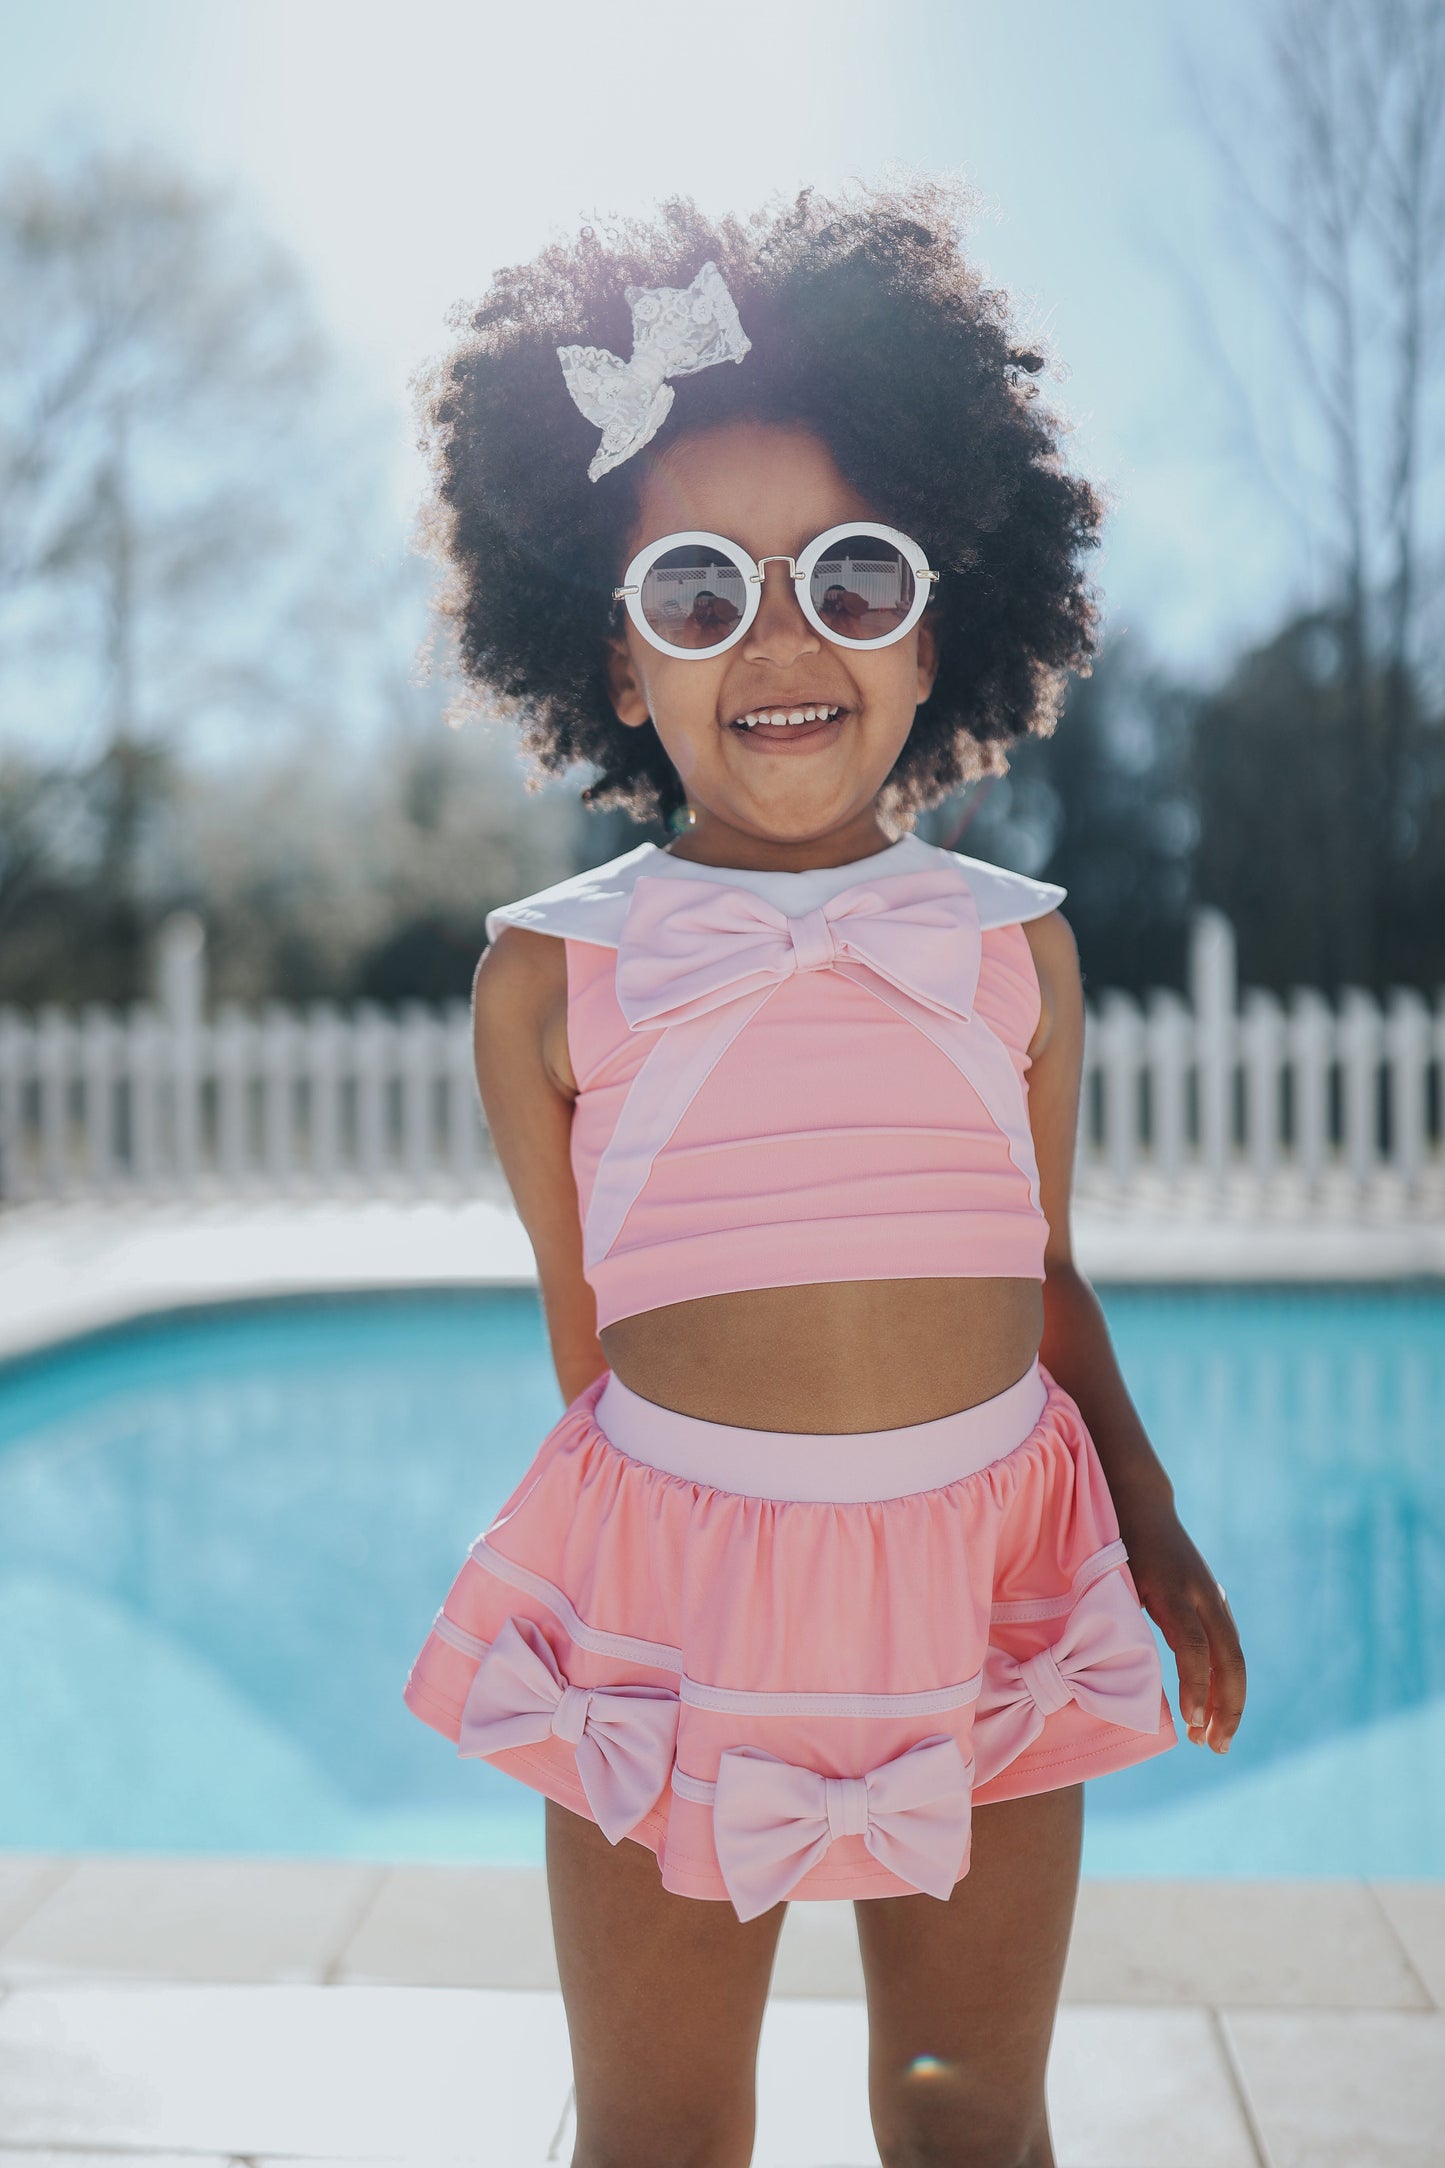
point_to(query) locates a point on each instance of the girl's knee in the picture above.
(958, 2135)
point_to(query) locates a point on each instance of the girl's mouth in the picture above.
(779, 730)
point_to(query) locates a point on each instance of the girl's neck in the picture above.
(711, 842)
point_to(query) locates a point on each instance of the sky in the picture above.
(403, 151)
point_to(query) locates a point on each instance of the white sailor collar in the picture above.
(591, 906)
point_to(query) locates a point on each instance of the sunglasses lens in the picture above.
(863, 588)
(693, 597)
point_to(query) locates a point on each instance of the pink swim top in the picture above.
(786, 1078)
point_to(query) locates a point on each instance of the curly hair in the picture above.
(868, 329)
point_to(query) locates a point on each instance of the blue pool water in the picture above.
(223, 1535)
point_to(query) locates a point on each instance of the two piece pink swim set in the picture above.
(789, 1663)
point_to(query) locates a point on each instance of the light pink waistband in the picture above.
(848, 1467)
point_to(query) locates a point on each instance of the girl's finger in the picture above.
(1190, 1643)
(1227, 1675)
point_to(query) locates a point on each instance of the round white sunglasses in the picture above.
(695, 594)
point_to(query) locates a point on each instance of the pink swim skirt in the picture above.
(792, 1664)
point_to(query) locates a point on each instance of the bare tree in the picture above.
(184, 492)
(1336, 173)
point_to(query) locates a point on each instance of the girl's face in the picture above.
(811, 784)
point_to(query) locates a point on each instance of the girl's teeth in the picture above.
(778, 718)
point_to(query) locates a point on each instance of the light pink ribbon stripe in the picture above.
(1105, 1660)
(773, 1821)
(676, 1068)
(624, 1737)
(982, 1060)
(696, 960)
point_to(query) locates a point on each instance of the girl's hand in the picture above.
(1192, 1612)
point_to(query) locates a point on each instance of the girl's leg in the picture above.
(664, 2001)
(962, 1995)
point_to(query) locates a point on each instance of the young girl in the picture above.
(828, 1582)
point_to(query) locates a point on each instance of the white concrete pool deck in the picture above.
(204, 2012)
(67, 1268)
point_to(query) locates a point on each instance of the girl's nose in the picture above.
(779, 633)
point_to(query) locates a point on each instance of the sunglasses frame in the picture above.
(800, 572)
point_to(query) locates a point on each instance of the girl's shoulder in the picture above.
(592, 906)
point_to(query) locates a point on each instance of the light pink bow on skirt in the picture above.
(624, 1737)
(1105, 1660)
(772, 1821)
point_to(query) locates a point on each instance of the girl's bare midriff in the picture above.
(840, 1356)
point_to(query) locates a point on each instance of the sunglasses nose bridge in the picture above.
(780, 630)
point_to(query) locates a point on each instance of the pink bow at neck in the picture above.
(1105, 1660)
(773, 1821)
(687, 947)
(623, 1737)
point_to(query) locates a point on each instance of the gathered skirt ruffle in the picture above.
(793, 1697)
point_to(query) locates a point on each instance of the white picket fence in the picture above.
(1334, 1105)
(1302, 1102)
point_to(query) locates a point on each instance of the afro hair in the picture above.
(871, 330)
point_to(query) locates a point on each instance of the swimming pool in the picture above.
(223, 1535)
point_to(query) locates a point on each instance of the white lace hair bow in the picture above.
(676, 330)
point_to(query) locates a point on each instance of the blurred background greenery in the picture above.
(214, 693)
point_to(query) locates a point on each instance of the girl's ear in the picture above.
(927, 656)
(624, 686)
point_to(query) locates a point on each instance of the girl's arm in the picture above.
(519, 1035)
(1175, 1585)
